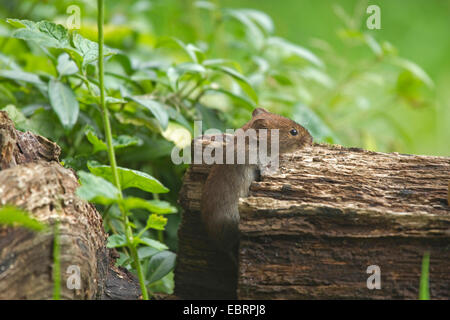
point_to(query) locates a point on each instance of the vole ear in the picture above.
(260, 124)
(259, 111)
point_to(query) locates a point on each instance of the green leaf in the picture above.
(116, 241)
(19, 75)
(243, 81)
(155, 107)
(96, 189)
(146, 252)
(96, 142)
(416, 70)
(20, 121)
(13, 216)
(410, 88)
(121, 141)
(52, 35)
(190, 67)
(294, 49)
(64, 102)
(161, 264)
(153, 206)
(44, 33)
(152, 243)
(178, 117)
(262, 19)
(129, 178)
(87, 50)
(156, 222)
(66, 66)
(424, 291)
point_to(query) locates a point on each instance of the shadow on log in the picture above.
(32, 178)
(311, 230)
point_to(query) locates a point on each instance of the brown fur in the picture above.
(226, 183)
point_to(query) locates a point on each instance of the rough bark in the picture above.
(32, 178)
(311, 230)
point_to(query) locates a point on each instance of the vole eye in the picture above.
(293, 132)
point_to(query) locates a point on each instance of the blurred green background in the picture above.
(420, 30)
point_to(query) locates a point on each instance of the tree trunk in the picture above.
(32, 178)
(321, 225)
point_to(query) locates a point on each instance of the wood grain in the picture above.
(310, 230)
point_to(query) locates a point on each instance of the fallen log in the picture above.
(315, 228)
(32, 179)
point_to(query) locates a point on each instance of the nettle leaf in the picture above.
(12, 216)
(156, 222)
(96, 189)
(153, 206)
(64, 102)
(96, 142)
(52, 35)
(44, 33)
(87, 50)
(293, 49)
(116, 241)
(129, 178)
(242, 80)
(65, 65)
(121, 141)
(155, 107)
(161, 264)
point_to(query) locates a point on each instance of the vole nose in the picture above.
(306, 141)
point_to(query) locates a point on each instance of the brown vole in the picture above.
(226, 183)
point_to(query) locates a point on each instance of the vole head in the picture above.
(292, 136)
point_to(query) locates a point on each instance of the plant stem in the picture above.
(424, 291)
(56, 263)
(111, 154)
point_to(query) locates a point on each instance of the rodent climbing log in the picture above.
(312, 229)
